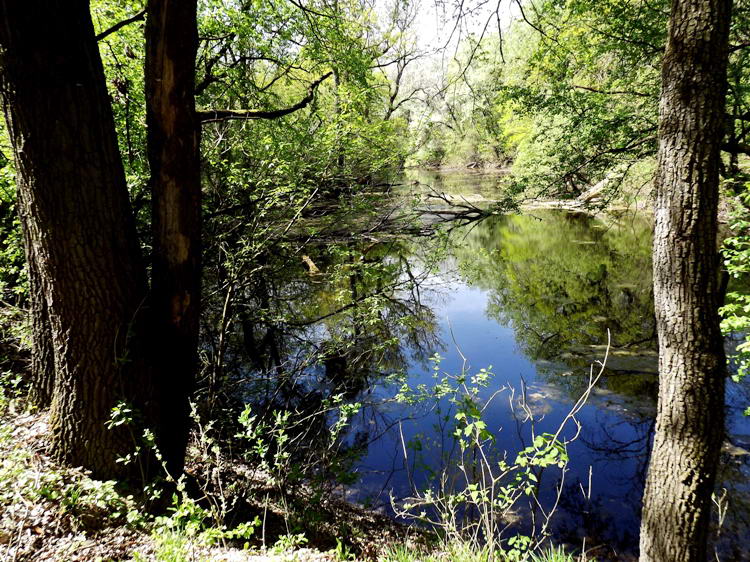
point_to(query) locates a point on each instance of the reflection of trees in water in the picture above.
(590, 522)
(603, 519)
(295, 337)
(734, 473)
(598, 513)
(563, 279)
(611, 524)
(322, 323)
(563, 282)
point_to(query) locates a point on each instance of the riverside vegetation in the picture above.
(251, 309)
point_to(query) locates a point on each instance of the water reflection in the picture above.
(476, 186)
(304, 331)
(537, 296)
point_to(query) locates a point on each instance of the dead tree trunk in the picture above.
(174, 157)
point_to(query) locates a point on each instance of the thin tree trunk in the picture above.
(81, 240)
(692, 369)
(174, 157)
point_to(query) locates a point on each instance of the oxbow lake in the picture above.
(536, 299)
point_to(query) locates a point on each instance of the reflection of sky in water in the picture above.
(486, 343)
(608, 457)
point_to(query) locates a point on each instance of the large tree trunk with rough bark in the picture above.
(174, 157)
(692, 367)
(87, 278)
(42, 385)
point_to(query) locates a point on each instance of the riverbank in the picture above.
(53, 512)
(596, 200)
(487, 186)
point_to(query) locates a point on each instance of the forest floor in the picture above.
(52, 512)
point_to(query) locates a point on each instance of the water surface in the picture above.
(539, 298)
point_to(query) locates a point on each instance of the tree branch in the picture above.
(119, 25)
(736, 148)
(213, 116)
(612, 92)
(209, 77)
(311, 11)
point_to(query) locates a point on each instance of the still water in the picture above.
(537, 298)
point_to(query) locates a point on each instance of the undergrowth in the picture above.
(224, 504)
(50, 511)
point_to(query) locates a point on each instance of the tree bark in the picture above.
(42, 384)
(88, 280)
(692, 366)
(174, 157)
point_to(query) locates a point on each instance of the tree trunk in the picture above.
(692, 367)
(83, 253)
(42, 384)
(174, 157)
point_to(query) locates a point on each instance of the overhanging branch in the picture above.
(215, 115)
(119, 25)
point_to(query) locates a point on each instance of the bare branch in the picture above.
(311, 11)
(213, 116)
(119, 25)
(612, 92)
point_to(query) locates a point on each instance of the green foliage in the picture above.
(467, 125)
(11, 390)
(189, 520)
(289, 542)
(274, 444)
(557, 554)
(86, 503)
(13, 282)
(474, 477)
(453, 552)
(736, 320)
(570, 99)
(569, 96)
(735, 313)
(123, 54)
(342, 552)
(170, 547)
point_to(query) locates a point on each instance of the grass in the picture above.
(462, 553)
